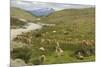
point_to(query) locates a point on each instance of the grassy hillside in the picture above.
(19, 13)
(67, 14)
(77, 23)
(72, 26)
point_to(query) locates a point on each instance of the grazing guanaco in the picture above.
(42, 58)
(59, 51)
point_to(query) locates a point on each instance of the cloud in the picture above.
(31, 5)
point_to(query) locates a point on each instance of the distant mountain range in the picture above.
(45, 8)
(41, 11)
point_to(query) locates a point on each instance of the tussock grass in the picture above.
(72, 26)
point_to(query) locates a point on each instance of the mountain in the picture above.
(22, 14)
(41, 11)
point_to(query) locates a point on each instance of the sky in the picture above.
(32, 5)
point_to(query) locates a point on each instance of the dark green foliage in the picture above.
(16, 23)
(22, 53)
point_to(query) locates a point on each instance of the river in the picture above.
(29, 27)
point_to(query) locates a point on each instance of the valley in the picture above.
(65, 36)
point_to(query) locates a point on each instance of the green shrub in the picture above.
(23, 53)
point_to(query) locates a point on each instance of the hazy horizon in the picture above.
(32, 5)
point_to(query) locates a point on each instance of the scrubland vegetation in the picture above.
(71, 40)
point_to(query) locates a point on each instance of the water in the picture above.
(29, 27)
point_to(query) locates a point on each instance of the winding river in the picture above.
(29, 27)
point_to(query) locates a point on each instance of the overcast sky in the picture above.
(30, 5)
